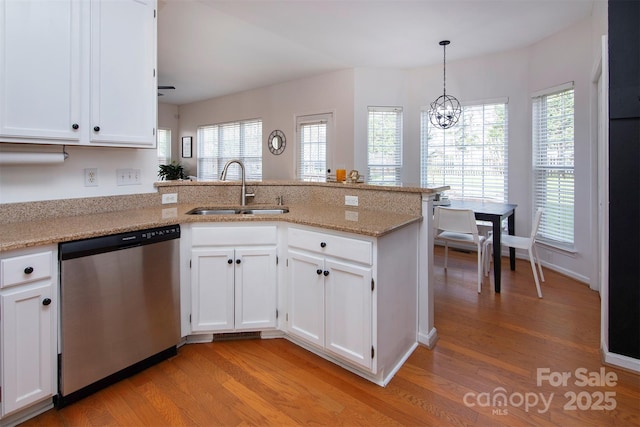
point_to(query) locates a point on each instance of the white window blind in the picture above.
(384, 146)
(312, 142)
(470, 157)
(164, 146)
(553, 164)
(220, 143)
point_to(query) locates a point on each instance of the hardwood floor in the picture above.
(488, 344)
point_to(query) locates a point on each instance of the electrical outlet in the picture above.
(169, 213)
(169, 198)
(121, 176)
(351, 200)
(91, 177)
(351, 216)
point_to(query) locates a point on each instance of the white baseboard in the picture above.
(618, 360)
(572, 274)
(428, 340)
(25, 414)
(200, 338)
(523, 256)
(272, 333)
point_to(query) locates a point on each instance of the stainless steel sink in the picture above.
(230, 211)
(213, 211)
(260, 211)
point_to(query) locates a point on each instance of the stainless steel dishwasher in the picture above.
(119, 308)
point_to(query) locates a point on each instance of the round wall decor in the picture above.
(277, 142)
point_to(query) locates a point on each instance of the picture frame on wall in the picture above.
(186, 146)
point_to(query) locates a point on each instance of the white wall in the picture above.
(572, 55)
(501, 75)
(563, 57)
(168, 119)
(277, 106)
(24, 183)
(378, 88)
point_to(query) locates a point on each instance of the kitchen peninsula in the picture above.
(365, 308)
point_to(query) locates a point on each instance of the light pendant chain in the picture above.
(444, 70)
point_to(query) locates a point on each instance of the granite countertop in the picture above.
(63, 229)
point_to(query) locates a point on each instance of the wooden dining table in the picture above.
(494, 213)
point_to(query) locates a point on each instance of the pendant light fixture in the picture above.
(444, 111)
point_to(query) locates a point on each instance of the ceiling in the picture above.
(211, 48)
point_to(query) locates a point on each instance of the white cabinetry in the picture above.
(78, 72)
(123, 82)
(331, 299)
(353, 299)
(40, 77)
(28, 307)
(233, 278)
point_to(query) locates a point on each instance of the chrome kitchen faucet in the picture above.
(243, 194)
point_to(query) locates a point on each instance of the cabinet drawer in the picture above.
(331, 245)
(234, 236)
(26, 268)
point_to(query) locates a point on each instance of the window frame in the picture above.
(456, 137)
(162, 160)
(557, 226)
(251, 157)
(312, 120)
(396, 166)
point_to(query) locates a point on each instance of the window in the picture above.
(312, 142)
(553, 164)
(220, 143)
(384, 146)
(164, 146)
(470, 157)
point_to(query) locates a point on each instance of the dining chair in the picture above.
(519, 242)
(458, 226)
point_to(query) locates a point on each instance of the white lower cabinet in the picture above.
(28, 313)
(331, 299)
(233, 278)
(349, 298)
(330, 305)
(353, 299)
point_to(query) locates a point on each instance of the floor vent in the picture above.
(236, 336)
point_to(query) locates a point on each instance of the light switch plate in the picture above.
(128, 177)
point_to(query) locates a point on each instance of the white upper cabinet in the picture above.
(78, 72)
(40, 71)
(123, 81)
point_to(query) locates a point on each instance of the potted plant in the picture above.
(172, 171)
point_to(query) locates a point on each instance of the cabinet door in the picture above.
(255, 288)
(212, 305)
(28, 346)
(123, 81)
(348, 300)
(40, 73)
(306, 297)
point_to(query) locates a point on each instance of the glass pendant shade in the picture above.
(445, 111)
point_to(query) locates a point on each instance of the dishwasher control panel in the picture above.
(86, 247)
(159, 234)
